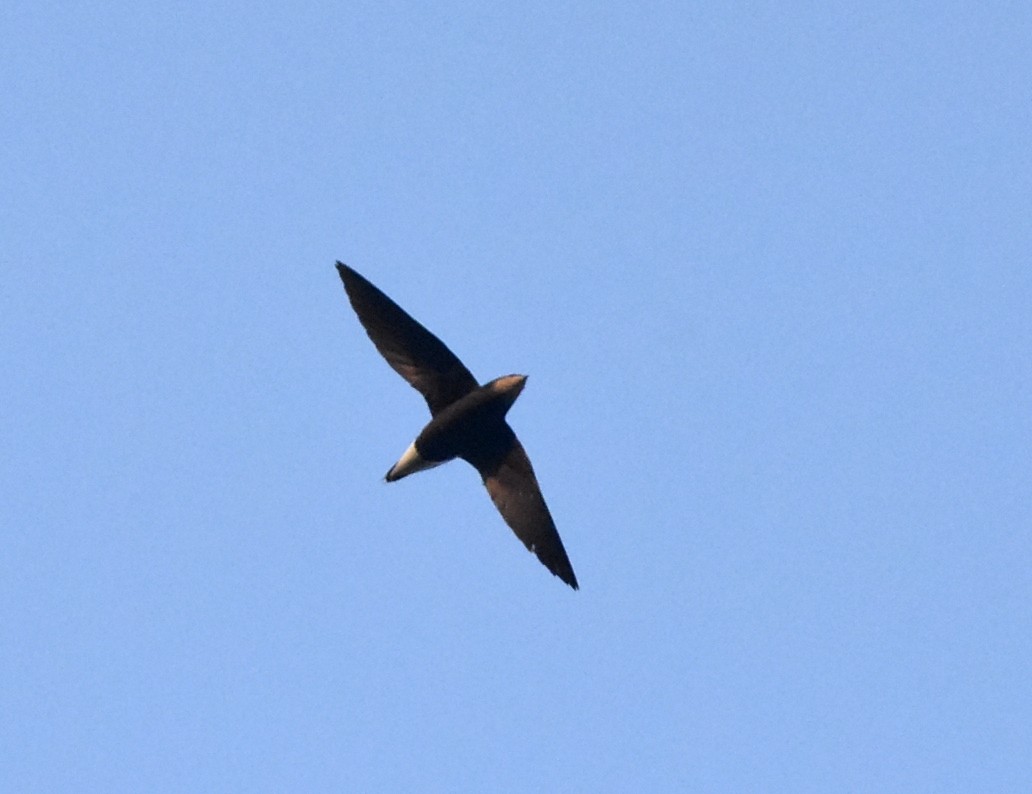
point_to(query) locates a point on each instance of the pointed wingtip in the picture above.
(351, 279)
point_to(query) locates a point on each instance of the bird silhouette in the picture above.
(467, 420)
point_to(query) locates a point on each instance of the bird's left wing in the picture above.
(514, 489)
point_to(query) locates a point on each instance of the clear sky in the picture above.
(768, 268)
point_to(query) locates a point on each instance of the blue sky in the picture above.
(768, 269)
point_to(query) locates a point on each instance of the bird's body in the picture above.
(468, 420)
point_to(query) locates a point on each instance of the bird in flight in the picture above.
(467, 420)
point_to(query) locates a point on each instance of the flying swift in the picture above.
(467, 420)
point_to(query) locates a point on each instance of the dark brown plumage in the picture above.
(468, 420)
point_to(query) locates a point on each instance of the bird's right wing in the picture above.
(416, 354)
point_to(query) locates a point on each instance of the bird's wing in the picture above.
(514, 489)
(416, 354)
